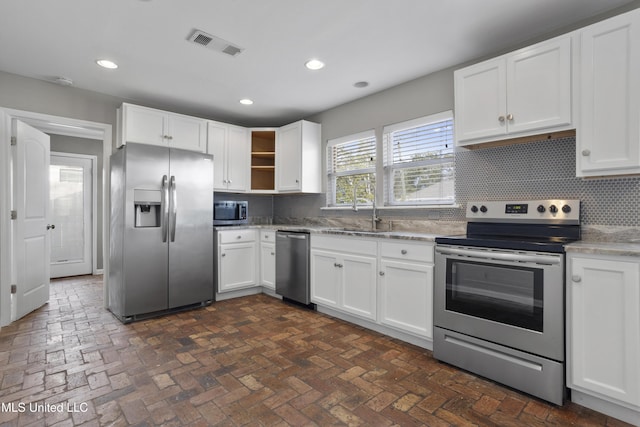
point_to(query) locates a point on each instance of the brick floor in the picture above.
(247, 361)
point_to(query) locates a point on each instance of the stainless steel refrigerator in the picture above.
(161, 247)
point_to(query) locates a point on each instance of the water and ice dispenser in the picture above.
(147, 204)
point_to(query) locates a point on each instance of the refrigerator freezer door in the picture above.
(144, 253)
(190, 228)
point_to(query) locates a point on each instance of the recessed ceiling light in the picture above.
(105, 63)
(361, 84)
(246, 101)
(314, 64)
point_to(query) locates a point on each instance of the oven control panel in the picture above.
(552, 211)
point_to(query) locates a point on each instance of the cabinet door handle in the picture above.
(381, 273)
(335, 264)
(586, 152)
(501, 119)
(403, 252)
(509, 117)
(223, 255)
(239, 237)
(50, 226)
(273, 253)
(576, 278)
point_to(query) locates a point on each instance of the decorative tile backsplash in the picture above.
(545, 170)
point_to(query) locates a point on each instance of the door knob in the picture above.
(50, 226)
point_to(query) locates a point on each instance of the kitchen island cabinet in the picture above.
(603, 332)
(608, 134)
(518, 94)
(156, 127)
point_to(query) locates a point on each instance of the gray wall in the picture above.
(93, 147)
(23, 93)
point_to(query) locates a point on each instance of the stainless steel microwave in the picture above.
(228, 212)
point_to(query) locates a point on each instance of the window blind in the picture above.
(419, 161)
(351, 163)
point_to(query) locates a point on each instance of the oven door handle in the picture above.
(541, 259)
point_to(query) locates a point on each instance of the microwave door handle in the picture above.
(164, 207)
(174, 208)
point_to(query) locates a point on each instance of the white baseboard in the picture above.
(625, 414)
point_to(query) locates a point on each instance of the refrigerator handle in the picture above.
(174, 209)
(164, 206)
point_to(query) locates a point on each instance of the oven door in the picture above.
(513, 298)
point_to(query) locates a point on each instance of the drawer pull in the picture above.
(381, 273)
(403, 252)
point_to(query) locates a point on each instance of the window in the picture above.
(419, 161)
(351, 169)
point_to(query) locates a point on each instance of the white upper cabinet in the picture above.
(298, 162)
(519, 94)
(608, 133)
(150, 126)
(229, 145)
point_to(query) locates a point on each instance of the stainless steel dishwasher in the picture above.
(292, 266)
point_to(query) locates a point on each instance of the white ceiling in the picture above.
(384, 42)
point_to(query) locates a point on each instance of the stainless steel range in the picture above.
(499, 294)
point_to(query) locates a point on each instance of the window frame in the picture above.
(331, 175)
(389, 167)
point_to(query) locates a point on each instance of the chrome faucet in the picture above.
(375, 219)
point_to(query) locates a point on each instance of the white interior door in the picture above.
(70, 191)
(32, 224)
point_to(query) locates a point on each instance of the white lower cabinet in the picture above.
(343, 274)
(406, 296)
(387, 283)
(236, 259)
(603, 324)
(268, 259)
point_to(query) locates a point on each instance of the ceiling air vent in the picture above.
(214, 43)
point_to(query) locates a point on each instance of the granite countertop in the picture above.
(604, 248)
(338, 231)
(607, 240)
(596, 240)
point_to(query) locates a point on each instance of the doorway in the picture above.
(73, 205)
(58, 125)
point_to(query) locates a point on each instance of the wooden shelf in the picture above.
(266, 154)
(263, 157)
